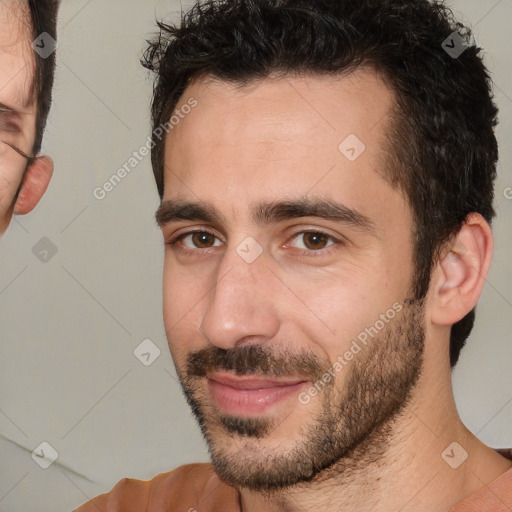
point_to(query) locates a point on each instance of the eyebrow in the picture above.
(266, 213)
(5, 109)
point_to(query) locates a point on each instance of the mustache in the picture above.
(254, 359)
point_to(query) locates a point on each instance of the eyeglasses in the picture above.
(10, 122)
(12, 166)
(30, 159)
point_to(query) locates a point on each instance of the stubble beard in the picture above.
(353, 427)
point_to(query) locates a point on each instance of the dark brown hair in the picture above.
(43, 15)
(441, 147)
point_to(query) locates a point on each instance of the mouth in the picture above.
(251, 395)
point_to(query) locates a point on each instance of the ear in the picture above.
(34, 185)
(459, 276)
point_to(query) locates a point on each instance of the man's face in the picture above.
(288, 274)
(17, 105)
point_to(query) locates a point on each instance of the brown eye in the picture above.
(312, 240)
(203, 240)
(199, 240)
(315, 240)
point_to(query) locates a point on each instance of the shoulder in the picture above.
(184, 487)
(496, 496)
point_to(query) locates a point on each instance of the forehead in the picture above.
(17, 62)
(277, 134)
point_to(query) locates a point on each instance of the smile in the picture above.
(250, 395)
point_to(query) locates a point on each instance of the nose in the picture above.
(241, 308)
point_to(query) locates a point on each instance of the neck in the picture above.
(412, 471)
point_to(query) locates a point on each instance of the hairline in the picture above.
(393, 120)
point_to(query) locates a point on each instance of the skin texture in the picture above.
(20, 188)
(373, 437)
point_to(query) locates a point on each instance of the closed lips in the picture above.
(251, 382)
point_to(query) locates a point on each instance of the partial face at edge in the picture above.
(18, 104)
(263, 293)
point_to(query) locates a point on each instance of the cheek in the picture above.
(181, 311)
(331, 302)
(337, 311)
(178, 294)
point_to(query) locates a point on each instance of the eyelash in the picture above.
(175, 243)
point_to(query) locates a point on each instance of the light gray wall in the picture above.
(69, 326)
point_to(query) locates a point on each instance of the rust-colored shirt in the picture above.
(196, 488)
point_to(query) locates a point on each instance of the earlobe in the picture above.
(459, 276)
(34, 185)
